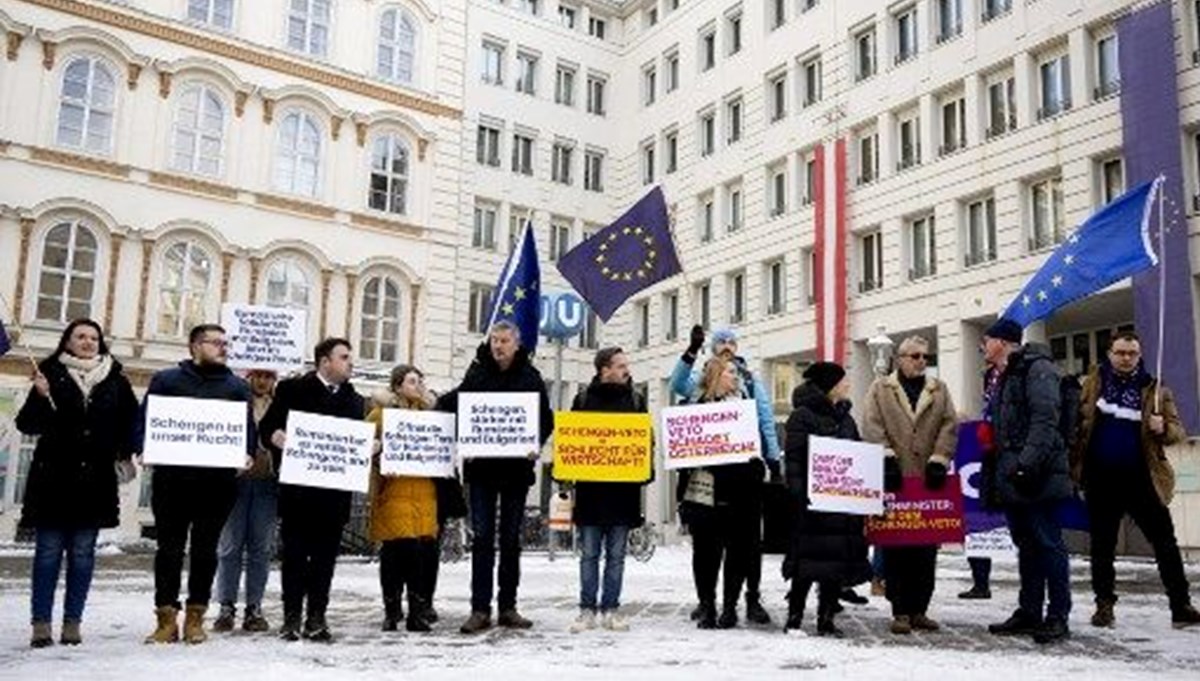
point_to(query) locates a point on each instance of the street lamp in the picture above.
(880, 347)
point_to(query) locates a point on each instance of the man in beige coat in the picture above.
(913, 417)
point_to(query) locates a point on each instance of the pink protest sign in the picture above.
(918, 516)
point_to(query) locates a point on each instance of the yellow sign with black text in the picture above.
(602, 447)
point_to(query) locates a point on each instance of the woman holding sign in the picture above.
(83, 409)
(827, 548)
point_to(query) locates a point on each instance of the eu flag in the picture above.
(1112, 244)
(518, 293)
(631, 254)
(5, 343)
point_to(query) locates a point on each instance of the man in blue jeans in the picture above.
(604, 512)
(250, 528)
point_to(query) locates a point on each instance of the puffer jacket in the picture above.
(402, 507)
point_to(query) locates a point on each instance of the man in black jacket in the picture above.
(501, 366)
(604, 512)
(311, 518)
(192, 499)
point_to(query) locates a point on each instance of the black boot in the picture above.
(416, 614)
(826, 627)
(1020, 624)
(290, 631)
(392, 613)
(729, 617)
(755, 612)
(827, 607)
(1184, 616)
(315, 627)
(707, 617)
(1054, 629)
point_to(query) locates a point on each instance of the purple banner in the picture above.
(968, 460)
(1150, 122)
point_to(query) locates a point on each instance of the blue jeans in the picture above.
(80, 547)
(250, 528)
(484, 498)
(1041, 559)
(613, 539)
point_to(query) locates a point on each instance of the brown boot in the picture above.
(923, 622)
(70, 635)
(42, 635)
(193, 624)
(1104, 617)
(168, 625)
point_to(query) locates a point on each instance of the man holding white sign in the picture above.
(313, 517)
(196, 452)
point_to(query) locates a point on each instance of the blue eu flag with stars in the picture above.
(1111, 245)
(631, 254)
(5, 344)
(518, 293)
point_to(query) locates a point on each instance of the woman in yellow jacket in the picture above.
(404, 517)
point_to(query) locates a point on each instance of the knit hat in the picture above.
(723, 336)
(1004, 329)
(825, 375)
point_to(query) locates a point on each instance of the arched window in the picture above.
(396, 51)
(380, 337)
(389, 175)
(68, 274)
(298, 154)
(199, 129)
(86, 104)
(187, 272)
(288, 285)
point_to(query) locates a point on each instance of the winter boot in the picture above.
(167, 630)
(755, 613)
(901, 625)
(253, 620)
(1104, 617)
(479, 621)
(923, 622)
(613, 621)
(851, 596)
(511, 619)
(416, 610)
(976, 594)
(826, 627)
(729, 617)
(708, 615)
(392, 613)
(1054, 629)
(70, 635)
(1020, 624)
(1184, 616)
(585, 621)
(315, 627)
(290, 631)
(225, 618)
(193, 624)
(697, 612)
(878, 587)
(42, 636)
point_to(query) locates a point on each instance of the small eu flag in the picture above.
(5, 343)
(631, 254)
(518, 293)
(1109, 246)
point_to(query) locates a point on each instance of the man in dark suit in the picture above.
(311, 518)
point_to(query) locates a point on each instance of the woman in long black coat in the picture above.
(827, 548)
(83, 410)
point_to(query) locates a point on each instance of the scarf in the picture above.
(1121, 396)
(87, 373)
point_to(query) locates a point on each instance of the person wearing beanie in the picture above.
(686, 382)
(913, 417)
(828, 549)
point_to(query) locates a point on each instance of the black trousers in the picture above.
(827, 597)
(1111, 494)
(407, 564)
(909, 577)
(730, 535)
(188, 507)
(310, 551)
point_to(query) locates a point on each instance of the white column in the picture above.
(1080, 63)
(1025, 83)
(976, 107)
(927, 131)
(886, 127)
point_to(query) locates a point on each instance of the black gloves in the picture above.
(892, 478)
(1024, 482)
(773, 467)
(696, 340)
(935, 475)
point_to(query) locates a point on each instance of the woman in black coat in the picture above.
(83, 410)
(827, 548)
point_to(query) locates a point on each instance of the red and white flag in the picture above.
(829, 252)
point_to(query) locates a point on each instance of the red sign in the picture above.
(918, 516)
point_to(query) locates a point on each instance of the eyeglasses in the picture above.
(916, 356)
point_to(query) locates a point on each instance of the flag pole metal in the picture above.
(24, 343)
(1162, 295)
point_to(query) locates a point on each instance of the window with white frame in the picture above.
(1047, 216)
(641, 313)
(597, 27)
(905, 24)
(484, 233)
(776, 13)
(736, 285)
(648, 149)
(493, 64)
(703, 297)
(487, 145)
(379, 329)
(649, 84)
(560, 238)
(522, 154)
(389, 174)
(868, 156)
(87, 105)
(567, 16)
(518, 217)
(671, 70)
(479, 304)
(595, 95)
(922, 248)
(909, 128)
(777, 190)
(215, 13)
(708, 48)
(864, 54)
(776, 285)
(651, 16)
(397, 49)
(526, 73)
(67, 277)
(561, 158)
(308, 26)
(564, 85)
(1054, 79)
(810, 73)
(870, 260)
(593, 171)
(808, 187)
(671, 316)
(298, 154)
(532, 7)
(1108, 68)
(671, 147)
(949, 18)
(806, 5)
(708, 133)
(981, 232)
(808, 258)
(184, 280)
(288, 285)
(198, 131)
(777, 95)
(733, 120)
(954, 125)
(589, 336)
(995, 8)
(733, 206)
(706, 217)
(1002, 106)
(1111, 178)
(733, 31)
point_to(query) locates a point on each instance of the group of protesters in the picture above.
(1043, 441)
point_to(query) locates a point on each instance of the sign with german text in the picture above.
(327, 452)
(498, 425)
(182, 431)
(600, 447)
(710, 434)
(261, 337)
(915, 515)
(417, 443)
(845, 476)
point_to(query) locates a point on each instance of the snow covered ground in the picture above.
(662, 644)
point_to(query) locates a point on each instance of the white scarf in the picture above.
(87, 373)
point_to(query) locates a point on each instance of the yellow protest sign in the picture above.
(601, 447)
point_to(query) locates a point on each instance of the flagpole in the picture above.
(24, 343)
(1162, 294)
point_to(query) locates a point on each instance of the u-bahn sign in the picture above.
(562, 315)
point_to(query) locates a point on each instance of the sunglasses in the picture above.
(918, 356)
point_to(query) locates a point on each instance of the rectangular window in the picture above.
(671, 141)
(870, 252)
(981, 232)
(642, 315)
(522, 154)
(560, 239)
(487, 146)
(517, 217)
(995, 8)
(1046, 212)
(564, 86)
(906, 35)
(593, 165)
(776, 287)
(737, 298)
(529, 6)
(1112, 179)
(595, 95)
(560, 165)
(596, 27)
(808, 257)
(308, 27)
(910, 144)
(864, 54)
(1108, 71)
(567, 16)
(708, 49)
(1002, 107)
(776, 13)
(707, 218)
(868, 158)
(526, 73)
(922, 248)
(651, 16)
(1055, 92)
(777, 96)
(708, 133)
(809, 164)
(733, 204)
(949, 20)
(778, 193)
(733, 32)
(649, 84)
(704, 304)
(954, 126)
(648, 162)
(216, 13)
(672, 71)
(811, 68)
(589, 338)
(671, 316)
(493, 64)
(733, 119)
(479, 307)
(484, 235)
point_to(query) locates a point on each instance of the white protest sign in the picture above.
(990, 544)
(845, 476)
(710, 434)
(328, 452)
(263, 337)
(417, 443)
(181, 431)
(498, 425)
